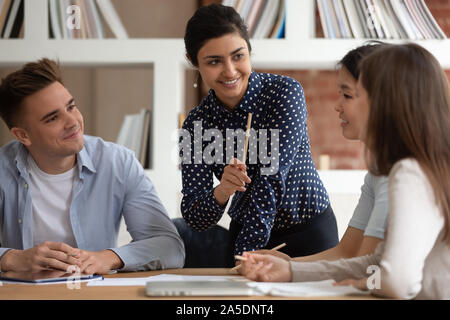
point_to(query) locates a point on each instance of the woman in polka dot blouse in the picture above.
(278, 195)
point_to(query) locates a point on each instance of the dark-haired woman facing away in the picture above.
(276, 202)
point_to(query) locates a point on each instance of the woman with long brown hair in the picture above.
(405, 95)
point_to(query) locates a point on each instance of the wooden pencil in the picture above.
(244, 158)
(245, 259)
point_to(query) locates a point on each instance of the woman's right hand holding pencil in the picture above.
(233, 179)
(265, 267)
(275, 253)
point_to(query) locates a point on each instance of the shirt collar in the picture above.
(21, 159)
(83, 160)
(248, 102)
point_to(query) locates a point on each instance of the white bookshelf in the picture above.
(299, 50)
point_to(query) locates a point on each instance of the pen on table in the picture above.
(247, 134)
(245, 259)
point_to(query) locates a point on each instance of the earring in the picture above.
(196, 80)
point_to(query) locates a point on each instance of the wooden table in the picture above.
(62, 292)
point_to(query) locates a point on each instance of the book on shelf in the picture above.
(329, 22)
(368, 18)
(362, 18)
(323, 20)
(254, 15)
(55, 24)
(81, 33)
(380, 13)
(409, 18)
(401, 13)
(72, 19)
(427, 23)
(4, 5)
(85, 26)
(99, 28)
(387, 20)
(63, 19)
(395, 20)
(342, 19)
(92, 20)
(378, 19)
(244, 8)
(417, 19)
(17, 23)
(334, 19)
(353, 18)
(4, 15)
(61, 6)
(439, 34)
(375, 20)
(111, 16)
(268, 19)
(280, 22)
(11, 18)
(93, 16)
(264, 18)
(134, 134)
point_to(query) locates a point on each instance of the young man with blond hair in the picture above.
(63, 193)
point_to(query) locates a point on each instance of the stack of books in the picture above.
(135, 135)
(264, 18)
(378, 19)
(83, 19)
(11, 19)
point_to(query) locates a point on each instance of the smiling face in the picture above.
(351, 105)
(224, 64)
(51, 127)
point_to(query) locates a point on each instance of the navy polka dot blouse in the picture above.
(288, 196)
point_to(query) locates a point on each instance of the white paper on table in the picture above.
(161, 277)
(118, 282)
(305, 289)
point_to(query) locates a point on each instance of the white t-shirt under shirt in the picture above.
(371, 213)
(52, 195)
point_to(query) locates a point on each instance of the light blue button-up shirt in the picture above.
(111, 183)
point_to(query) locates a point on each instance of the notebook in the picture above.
(198, 288)
(46, 276)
